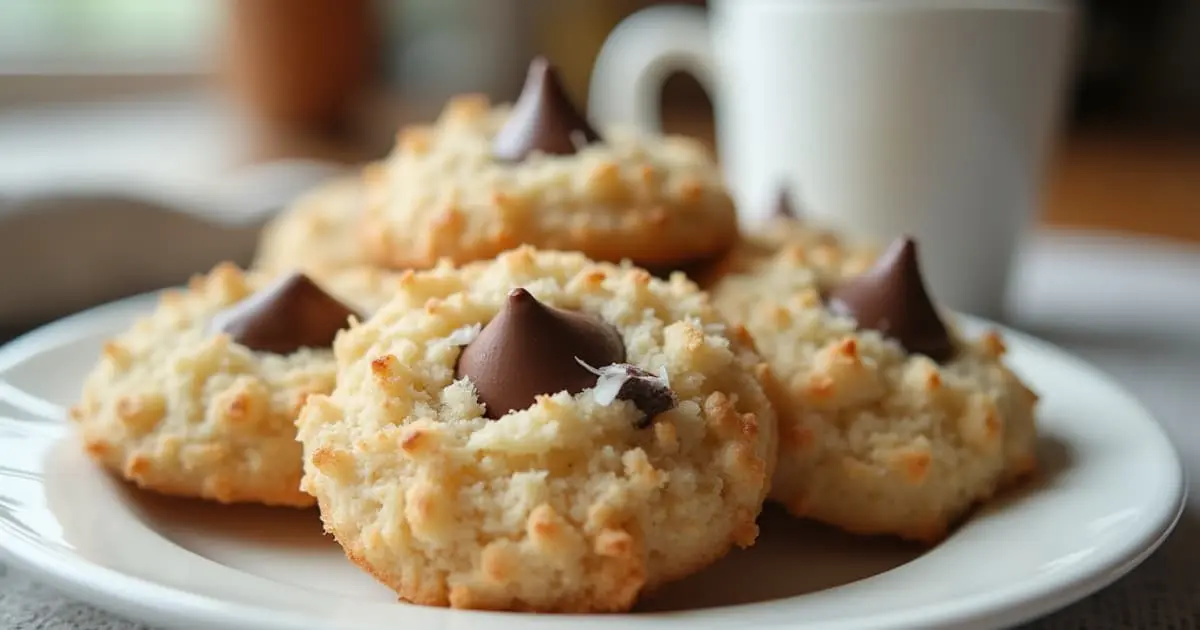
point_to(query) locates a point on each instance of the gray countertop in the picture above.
(1129, 307)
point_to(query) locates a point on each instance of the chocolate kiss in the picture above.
(543, 119)
(783, 205)
(891, 298)
(529, 349)
(650, 395)
(291, 313)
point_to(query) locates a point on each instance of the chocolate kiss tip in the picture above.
(899, 260)
(543, 119)
(541, 70)
(291, 313)
(891, 297)
(529, 349)
(783, 205)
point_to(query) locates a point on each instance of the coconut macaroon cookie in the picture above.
(546, 434)
(483, 180)
(788, 232)
(199, 398)
(317, 233)
(890, 421)
(790, 225)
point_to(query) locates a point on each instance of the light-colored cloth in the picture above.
(100, 202)
(1130, 307)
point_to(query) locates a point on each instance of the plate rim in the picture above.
(142, 599)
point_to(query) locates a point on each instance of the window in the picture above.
(61, 50)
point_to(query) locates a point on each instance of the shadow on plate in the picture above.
(1054, 458)
(794, 557)
(781, 564)
(791, 558)
(287, 528)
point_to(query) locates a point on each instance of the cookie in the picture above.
(482, 180)
(891, 422)
(199, 398)
(317, 233)
(540, 433)
(788, 232)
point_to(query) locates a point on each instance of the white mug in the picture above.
(884, 117)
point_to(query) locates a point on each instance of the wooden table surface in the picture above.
(1126, 182)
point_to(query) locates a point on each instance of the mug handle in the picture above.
(639, 55)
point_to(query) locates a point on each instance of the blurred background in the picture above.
(179, 99)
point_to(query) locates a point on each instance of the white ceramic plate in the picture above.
(1111, 489)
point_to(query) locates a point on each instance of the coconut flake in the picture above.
(587, 367)
(651, 393)
(609, 380)
(714, 328)
(609, 385)
(465, 335)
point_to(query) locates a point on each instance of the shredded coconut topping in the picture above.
(611, 379)
(587, 367)
(465, 335)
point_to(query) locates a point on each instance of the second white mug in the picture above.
(926, 117)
